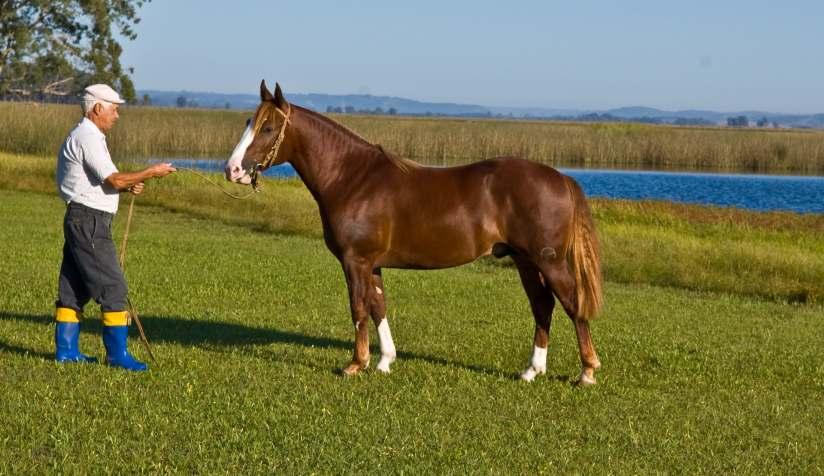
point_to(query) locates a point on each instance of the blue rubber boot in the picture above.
(114, 339)
(66, 336)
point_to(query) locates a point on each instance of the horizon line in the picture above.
(570, 109)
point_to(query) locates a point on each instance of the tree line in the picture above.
(743, 121)
(351, 110)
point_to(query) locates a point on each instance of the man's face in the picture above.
(105, 116)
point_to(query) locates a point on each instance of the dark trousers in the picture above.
(90, 269)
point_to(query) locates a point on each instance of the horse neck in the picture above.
(327, 155)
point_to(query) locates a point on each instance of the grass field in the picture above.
(710, 340)
(155, 132)
(250, 328)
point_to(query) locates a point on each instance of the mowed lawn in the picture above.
(250, 329)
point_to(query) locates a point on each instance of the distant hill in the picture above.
(317, 102)
(367, 103)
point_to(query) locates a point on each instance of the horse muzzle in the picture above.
(237, 174)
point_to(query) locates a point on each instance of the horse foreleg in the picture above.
(378, 312)
(542, 303)
(358, 280)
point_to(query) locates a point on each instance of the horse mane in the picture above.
(405, 165)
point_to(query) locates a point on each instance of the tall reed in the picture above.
(157, 132)
(140, 132)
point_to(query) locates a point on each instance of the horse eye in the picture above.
(267, 129)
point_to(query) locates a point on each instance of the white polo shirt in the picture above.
(82, 167)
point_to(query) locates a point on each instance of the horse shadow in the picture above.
(215, 335)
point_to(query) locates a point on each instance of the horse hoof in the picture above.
(586, 379)
(351, 370)
(530, 373)
(383, 366)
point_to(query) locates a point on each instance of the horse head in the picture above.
(260, 143)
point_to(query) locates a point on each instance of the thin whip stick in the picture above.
(132, 310)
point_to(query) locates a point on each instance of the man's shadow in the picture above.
(212, 334)
(14, 349)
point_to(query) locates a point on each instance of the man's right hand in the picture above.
(161, 170)
(124, 180)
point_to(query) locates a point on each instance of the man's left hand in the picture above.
(137, 188)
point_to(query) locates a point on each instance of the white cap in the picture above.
(102, 92)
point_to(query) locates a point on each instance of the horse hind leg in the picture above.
(377, 309)
(562, 283)
(542, 303)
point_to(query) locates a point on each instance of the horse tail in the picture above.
(583, 254)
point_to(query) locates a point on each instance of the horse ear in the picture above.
(280, 101)
(265, 95)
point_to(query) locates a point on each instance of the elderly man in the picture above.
(90, 184)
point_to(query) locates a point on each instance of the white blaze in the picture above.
(233, 169)
(388, 352)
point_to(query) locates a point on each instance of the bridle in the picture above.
(273, 152)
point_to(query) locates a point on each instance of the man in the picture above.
(90, 184)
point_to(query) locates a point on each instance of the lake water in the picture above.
(755, 192)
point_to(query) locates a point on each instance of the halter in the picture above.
(273, 152)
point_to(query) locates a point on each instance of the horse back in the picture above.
(432, 217)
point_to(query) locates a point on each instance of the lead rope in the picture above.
(132, 310)
(255, 189)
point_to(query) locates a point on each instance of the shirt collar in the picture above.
(88, 124)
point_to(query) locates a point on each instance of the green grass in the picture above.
(777, 256)
(156, 132)
(772, 255)
(251, 327)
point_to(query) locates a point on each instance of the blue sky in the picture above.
(723, 55)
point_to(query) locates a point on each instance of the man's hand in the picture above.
(161, 170)
(137, 188)
(126, 180)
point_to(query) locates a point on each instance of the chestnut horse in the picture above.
(381, 211)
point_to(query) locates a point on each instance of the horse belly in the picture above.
(441, 244)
